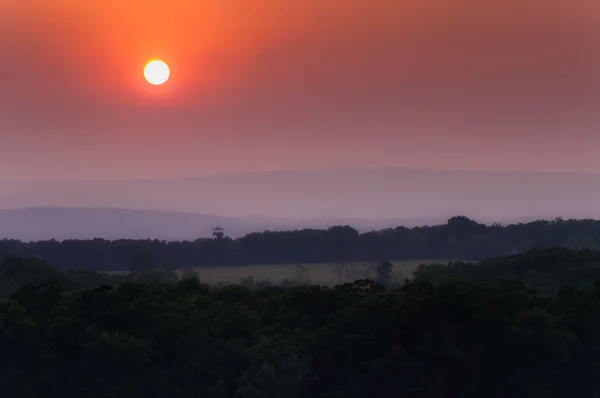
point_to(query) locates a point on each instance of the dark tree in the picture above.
(385, 270)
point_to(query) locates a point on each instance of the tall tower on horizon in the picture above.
(218, 232)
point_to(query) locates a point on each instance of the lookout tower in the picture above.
(218, 232)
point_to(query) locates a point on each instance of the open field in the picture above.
(320, 273)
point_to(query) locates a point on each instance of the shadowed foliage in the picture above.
(450, 338)
(459, 239)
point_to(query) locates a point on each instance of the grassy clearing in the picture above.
(320, 273)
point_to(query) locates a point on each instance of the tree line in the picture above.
(459, 239)
(546, 271)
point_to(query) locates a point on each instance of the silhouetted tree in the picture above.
(384, 273)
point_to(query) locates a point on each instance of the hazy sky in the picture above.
(297, 84)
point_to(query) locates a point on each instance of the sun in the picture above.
(157, 72)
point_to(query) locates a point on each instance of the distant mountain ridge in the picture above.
(351, 194)
(40, 223)
(44, 223)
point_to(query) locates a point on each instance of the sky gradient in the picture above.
(311, 84)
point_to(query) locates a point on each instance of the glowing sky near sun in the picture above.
(271, 84)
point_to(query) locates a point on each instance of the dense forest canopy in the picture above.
(464, 330)
(455, 339)
(459, 239)
(544, 270)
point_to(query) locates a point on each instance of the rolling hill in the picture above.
(366, 198)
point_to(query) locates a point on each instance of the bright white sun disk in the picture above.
(157, 72)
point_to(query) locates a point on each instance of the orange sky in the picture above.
(271, 84)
